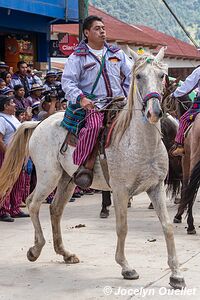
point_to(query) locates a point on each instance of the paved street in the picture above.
(97, 274)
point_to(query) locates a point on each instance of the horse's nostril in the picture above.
(160, 114)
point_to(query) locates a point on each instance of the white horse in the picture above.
(137, 162)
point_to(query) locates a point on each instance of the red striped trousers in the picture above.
(14, 199)
(88, 136)
(186, 119)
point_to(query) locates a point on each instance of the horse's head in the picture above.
(148, 83)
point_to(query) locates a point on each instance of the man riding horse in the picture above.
(191, 82)
(95, 70)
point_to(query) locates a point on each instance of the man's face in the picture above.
(51, 79)
(23, 69)
(96, 33)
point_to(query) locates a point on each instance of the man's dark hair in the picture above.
(21, 62)
(4, 99)
(87, 24)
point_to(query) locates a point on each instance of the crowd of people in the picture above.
(24, 96)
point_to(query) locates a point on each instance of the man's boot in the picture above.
(83, 177)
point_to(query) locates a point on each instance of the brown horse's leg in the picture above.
(186, 174)
(194, 160)
(157, 196)
(178, 216)
(64, 192)
(190, 221)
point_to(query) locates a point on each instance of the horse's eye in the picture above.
(138, 76)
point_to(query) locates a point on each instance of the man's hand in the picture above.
(86, 103)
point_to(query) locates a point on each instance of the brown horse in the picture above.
(191, 175)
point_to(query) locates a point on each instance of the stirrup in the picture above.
(83, 177)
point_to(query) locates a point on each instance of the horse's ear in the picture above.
(133, 54)
(161, 53)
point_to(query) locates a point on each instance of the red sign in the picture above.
(67, 44)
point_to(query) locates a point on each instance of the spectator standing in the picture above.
(21, 102)
(35, 93)
(59, 75)
(23, 78)
(35, 110)
(2, 84)
(31, 73)
(3, 67)
(51, 81)
(47, 106)
(8, 126)
(7, 91)
(20, 114)
(38, 74)
(6, 76)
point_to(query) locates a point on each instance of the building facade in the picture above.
(25, 28)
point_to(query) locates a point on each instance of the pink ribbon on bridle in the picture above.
(151, 95)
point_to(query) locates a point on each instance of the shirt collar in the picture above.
(83, 50)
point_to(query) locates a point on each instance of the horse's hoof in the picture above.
(193, 231)
(176, 220)
(177, 283)
(72, 259)
(104, 213)
(31, 256)
(150, 206)
(130, 274)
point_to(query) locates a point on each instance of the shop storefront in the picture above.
(25, 28)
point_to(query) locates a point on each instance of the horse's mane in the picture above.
(125, 116)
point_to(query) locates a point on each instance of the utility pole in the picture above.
(83, 12)
(181, 25)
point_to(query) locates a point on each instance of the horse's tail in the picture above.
(191, 189)
(14, 157)
(173, 180)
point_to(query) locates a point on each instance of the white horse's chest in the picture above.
(141, 168)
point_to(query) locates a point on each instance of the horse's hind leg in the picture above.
(186, 176)
(157, 196)
(43, 188)
(63, 194)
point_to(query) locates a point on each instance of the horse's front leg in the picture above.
(120, 202)
(157, 196)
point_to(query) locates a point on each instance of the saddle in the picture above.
(83, 177)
